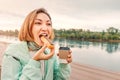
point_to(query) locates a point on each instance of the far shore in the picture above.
(91, 40)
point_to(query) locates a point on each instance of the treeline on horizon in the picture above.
(79, 34)
(111, 34)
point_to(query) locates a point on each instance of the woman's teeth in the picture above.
(43, 35)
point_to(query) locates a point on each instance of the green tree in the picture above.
(112, 30)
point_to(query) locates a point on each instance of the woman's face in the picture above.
(42, 26)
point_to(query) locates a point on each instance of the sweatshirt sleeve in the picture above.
(13, 70)
(61, 71)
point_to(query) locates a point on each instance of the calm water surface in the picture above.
(103, 55)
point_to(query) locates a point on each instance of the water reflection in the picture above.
(109, 47)
(112, 47)
(99, 54)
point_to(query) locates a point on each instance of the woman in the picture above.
(30, 59)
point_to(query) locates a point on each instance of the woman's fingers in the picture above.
(41, 56)
(69, 58)
(70, 52)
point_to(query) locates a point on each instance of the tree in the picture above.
(112, 30)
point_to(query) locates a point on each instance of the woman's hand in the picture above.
(40, 54)
(69, 58)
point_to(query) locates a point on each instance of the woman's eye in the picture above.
(49, 24)
(37, 23)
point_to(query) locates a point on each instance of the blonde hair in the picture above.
(25, 33)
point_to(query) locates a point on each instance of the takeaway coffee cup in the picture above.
(63, 54)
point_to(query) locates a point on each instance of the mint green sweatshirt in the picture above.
(18, 65)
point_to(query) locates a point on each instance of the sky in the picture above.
(95, 15)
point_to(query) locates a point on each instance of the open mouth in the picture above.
(43, 34)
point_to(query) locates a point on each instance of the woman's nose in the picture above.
(44, 27)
